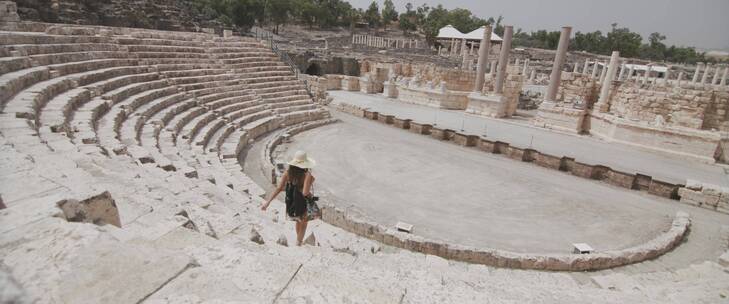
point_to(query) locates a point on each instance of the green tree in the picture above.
(623, 40)
(408, 19)
(278, 11)
(389, 14)
(245, 13)
(593, 42)
(372, 15)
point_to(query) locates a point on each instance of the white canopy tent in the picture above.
(450, 32)
(477, 34)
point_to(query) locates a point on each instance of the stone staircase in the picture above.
(158, 120)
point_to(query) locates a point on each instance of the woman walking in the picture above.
(297, 182)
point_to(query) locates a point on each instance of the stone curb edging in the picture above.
(659, 245)
(566, 164)
(492, 257)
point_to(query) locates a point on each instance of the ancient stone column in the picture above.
(608, 81)
(715, 80)
(503, 59)
(576, 68)
(647, 74)
(679, 79)
(622, 71)
(464, 54)
(723, 77)
(483, 54)
(556, 77)
(492, 67)
(469, 52)
(603, 72)
(666, 75)
(631, 70)
(516, 62)
(532, 76)
(697, 71)
(526, 66)
(439, 49)
(587, 64)
(706, 74)
(594, 70)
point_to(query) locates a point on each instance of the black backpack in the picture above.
(295, 201)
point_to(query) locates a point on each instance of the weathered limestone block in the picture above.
(695, 198)
(487, 105)
(371, 115)
(547, 161)
(552, 115)
(501, 147)
(620, 179)
(386, 119)
(100, 210)
(515, 153)
(9, 11)
(350, 83)
(419, 128)
(334, 82)
(581, 169)
(441, 134)
(724, 259)
(402, 123)
(390, 89)
(444, 99)
(465, 140)
(663, 189)
(486, 145)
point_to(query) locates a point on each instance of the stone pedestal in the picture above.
(8, 12)
(390, 89)
(554, 116)
(495, 105)
(350, 83)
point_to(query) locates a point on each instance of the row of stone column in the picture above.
(499, 68)
(627, 73)
(382, 42)
(707, 69)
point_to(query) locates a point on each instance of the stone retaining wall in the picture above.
(355, 223)
(704, 195)
(565, 164)
(351, 221)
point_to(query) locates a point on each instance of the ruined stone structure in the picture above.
(122, 174)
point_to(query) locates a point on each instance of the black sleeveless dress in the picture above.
(295, 202)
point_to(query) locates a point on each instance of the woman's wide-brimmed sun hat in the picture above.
(302, 161)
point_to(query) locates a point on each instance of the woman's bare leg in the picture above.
(301, 230)
(298, 230)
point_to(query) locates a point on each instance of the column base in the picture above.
(487, 105)
(554, 116)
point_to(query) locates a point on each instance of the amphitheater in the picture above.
(134, 163)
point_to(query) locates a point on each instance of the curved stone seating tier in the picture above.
(33, 98)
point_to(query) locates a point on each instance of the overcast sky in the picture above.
(700, 23)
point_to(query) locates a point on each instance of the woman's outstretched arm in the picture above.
(279, 188)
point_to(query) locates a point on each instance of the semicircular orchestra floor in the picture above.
(468, 197)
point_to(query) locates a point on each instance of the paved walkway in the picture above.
(585, 149)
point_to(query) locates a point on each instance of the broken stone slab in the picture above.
(131, 272)
(99, 209)
(282, 241)
(311, 240)
(255, 236)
